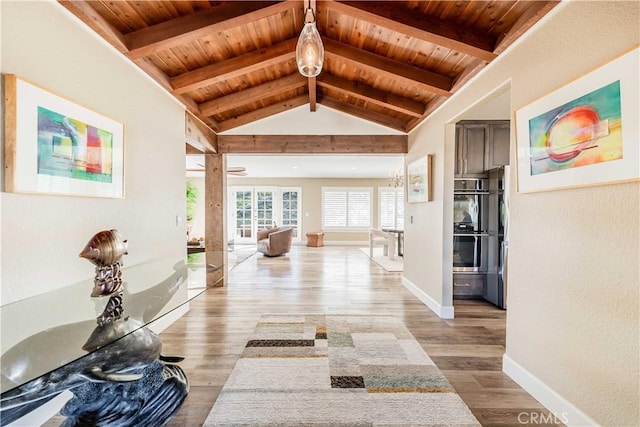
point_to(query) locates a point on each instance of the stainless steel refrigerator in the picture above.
(498, 246)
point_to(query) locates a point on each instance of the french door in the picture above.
(252, 209)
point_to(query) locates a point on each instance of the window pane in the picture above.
(387, 209)
(346, 208)
(359, 209)
(334, 209)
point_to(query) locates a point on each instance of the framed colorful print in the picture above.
(583, 134)
(54, 146)
(419, 182)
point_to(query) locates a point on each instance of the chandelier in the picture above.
(309, 50)
(396, 180)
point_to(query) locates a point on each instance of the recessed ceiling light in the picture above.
(295, 167)
(354, 168)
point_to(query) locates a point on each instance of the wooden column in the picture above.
(215, 179)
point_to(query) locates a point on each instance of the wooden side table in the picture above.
(315, 240)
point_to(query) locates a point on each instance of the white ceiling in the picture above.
(308, 166)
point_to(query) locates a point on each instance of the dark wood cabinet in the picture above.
(498, 146)
(470, 149)
(468, 286)
(481, 146)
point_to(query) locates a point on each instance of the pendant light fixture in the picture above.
(309, 50)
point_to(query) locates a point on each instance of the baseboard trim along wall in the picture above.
(346, 243)
(562, 410)
(444, 312)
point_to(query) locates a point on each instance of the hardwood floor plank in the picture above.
(333, 279)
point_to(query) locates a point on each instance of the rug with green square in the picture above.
(336, 370)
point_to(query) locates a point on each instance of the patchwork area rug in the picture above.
(384, 261)
(336, 370)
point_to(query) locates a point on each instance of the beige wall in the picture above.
(573, 303)
(43, 235)
(312, 201)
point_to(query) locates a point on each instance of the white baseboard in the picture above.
(444, 312)
(346, 243)
(563, 410)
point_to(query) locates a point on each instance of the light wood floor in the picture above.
(335, 279)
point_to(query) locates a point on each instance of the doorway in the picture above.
(252, 209)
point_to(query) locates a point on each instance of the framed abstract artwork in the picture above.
(583, 134)
(419, 180)
(54, 146)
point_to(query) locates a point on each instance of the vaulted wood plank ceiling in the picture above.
(233, 62)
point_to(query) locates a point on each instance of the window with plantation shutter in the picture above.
(391, 208)
(346, 208)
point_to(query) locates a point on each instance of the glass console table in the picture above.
(61, 341)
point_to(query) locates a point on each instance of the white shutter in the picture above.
(386, 211)
(400, 210)
(359, 209)
(391, 208)
(346, 209)
(334, 209)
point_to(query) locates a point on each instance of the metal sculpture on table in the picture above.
(124, 380)
(105, 249)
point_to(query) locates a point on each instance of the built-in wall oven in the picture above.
(470, 236)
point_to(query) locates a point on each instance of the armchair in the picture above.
(275, 241)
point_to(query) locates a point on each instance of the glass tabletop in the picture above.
(45, 332)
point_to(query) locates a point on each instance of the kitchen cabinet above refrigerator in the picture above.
(481, 146)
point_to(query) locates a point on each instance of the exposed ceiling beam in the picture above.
(276, 108)
(191, 150)
(472, 69)
(185, 29)
(163, 80)
(253, 94)
(389, 68)
(442, 33)
(243, 64)
(312, 85)
(372, 116)
(199, 135)
(317, 144)
(83, 10)
(531, 15)
(373, 95)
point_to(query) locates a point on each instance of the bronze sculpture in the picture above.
(104, 250)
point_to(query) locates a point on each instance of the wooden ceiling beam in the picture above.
(163, 80)
(474, 68)
(312, 85)
(372, 116)
(234, 67)
(535, 11)
(389, 68)
(256, 93)
(185, 29)
(370, 94)
(87, 14)
(449, 35)
(191, 150)
(317, 144)
(276, 108)
(199, 135)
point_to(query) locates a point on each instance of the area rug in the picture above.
(336, 370)
(384, 261)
